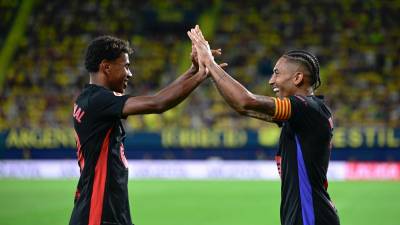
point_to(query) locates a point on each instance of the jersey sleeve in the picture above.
(290, 108)
(283, 109)
(108, 104)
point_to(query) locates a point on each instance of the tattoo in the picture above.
(261, 116)
(267, 104)
(264, 110)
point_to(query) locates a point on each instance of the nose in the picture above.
(129, 75)
(272, 80)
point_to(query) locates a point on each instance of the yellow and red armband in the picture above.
(283, 109)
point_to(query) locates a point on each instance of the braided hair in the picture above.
(309, 61)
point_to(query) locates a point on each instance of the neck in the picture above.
(305, 92)
(98, 79)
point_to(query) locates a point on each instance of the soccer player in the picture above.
(102, 194)
(305, 141)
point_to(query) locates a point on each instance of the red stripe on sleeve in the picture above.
(290, 109)
(282, 109)
(100, 175)
(287, 109)
(280, 106)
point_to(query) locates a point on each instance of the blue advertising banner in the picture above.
(367, 143)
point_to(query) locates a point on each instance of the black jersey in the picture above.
(303, 158)
(102, 193)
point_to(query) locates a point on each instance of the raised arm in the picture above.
(239, 98)
(168, 97)
(234, 93)
(174, 93)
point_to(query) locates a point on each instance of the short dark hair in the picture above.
(104, 47)
(309, 61)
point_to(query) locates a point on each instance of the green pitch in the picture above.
(48, 202)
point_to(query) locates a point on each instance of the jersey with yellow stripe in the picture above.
(302, 160)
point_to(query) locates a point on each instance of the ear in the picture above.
(105, 67)
(298, 78)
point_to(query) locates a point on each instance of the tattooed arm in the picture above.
(260, 116)
(239, 98)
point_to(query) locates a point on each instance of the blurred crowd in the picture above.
(357, 43)
(7, 11)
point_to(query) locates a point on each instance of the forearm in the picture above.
(234, 93)
(239, 98)
(176, 92)
(186, 75)
(165, 99)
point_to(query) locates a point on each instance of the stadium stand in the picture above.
(357, 44)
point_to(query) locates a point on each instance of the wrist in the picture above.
(199, 78)
(193, 69)
(208, 62)
(212, 65)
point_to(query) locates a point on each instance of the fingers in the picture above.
(198, 31)
(203, 51)
(199, 52)
(198, 44)
(223, 65)
(196, 36)
(216, 52)
(191, 37)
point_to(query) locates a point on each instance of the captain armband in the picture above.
(283, 109)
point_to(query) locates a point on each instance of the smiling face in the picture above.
(285, 78)
(119, 73)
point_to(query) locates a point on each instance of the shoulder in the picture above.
(308, 108)
(101, 94)
(311, 102)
